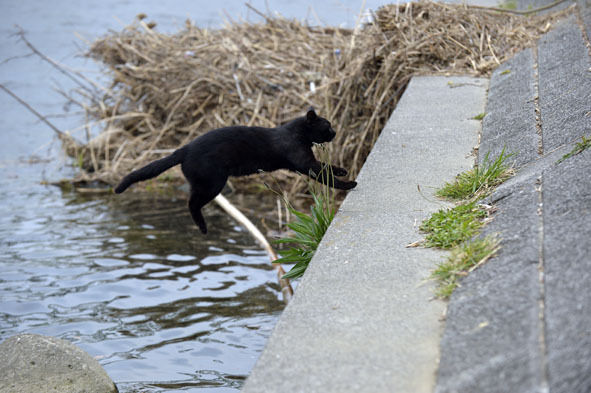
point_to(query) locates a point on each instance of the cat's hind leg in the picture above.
(195, 205)
(200, 196)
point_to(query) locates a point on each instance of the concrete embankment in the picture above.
(363, 318)
(523, 321)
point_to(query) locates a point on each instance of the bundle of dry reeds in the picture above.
(168, 89)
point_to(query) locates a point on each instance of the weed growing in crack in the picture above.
(455, 229)
(463, 259)
(579, 147)
(478, 182)
(449, 227)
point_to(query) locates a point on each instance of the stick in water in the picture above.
(286, 288)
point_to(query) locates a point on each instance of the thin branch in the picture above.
(32, 110)
(61, 68)
(286, 288)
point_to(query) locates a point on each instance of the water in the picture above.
(134, 285)
(127, 278)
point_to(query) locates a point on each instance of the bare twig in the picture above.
(33, 111)
(286, 288)
(56, 65)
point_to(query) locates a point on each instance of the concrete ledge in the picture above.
(522, 321)
(363, 318)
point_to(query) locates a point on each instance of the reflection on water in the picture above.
(133, 282)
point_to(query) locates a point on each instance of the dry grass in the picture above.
(168, 89)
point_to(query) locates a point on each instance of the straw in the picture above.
(168, 89)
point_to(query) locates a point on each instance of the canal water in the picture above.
(128, 278)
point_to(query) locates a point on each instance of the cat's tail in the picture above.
(153, 169)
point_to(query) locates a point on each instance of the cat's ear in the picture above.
(311, 115)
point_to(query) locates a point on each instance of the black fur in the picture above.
(208, 160)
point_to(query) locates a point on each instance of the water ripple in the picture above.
(132, 281)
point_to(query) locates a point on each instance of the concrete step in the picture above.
(363, 319)
(522, 321)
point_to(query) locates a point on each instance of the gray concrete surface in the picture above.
(31, 363)
(585, 10)
(510, 120)
(564, 84)
(522, 322)
(363, 319)
(566, 189)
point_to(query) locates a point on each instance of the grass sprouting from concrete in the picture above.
(453, 229)
(478, 182)
(450, 227)
(579, 147)
(479, 116)
(463, 259)
(457, 229)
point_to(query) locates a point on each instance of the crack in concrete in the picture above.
(544, 386)
(538, 114)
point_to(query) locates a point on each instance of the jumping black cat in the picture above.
(208, 160)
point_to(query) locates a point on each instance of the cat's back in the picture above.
(234, 137)
(238, 149)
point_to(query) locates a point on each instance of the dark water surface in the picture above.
(127, 278)
(132, 283)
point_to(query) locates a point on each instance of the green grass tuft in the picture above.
(478, 182)
(449, 227)
(463, 259)
(309, 230)
(453, 228)
(479, 116)
(579, 147)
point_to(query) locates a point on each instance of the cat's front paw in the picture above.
(339, 171)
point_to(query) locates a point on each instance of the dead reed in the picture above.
(168, 89)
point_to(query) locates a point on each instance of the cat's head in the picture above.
(318, 129)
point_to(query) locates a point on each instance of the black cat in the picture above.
(208, 160)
